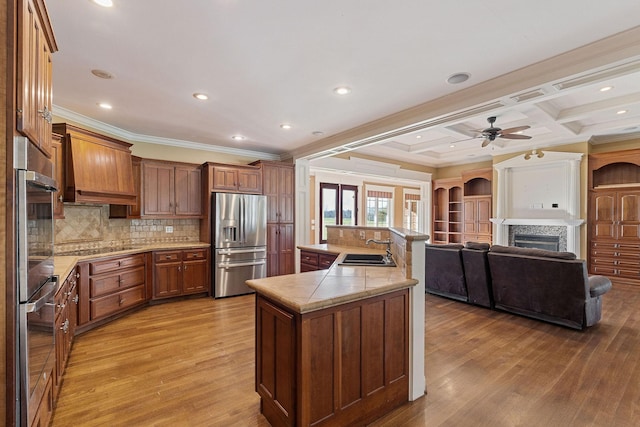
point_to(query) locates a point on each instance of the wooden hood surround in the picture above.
(97, 168)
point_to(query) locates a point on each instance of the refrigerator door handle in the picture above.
(240, 264)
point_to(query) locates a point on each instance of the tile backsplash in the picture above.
(89, 227)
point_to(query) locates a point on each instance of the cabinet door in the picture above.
(188, 191)
(167, 279)
(249, 181)
(225, 179)
(603, 207)
(286, 194)
(58, 174)
(484, 215)
(270, 177)
(470, 216)
(272, 249)
(29, 39)
(629, 215)
(159, 188)
(194, 276)
(44, 98)
(286, 249)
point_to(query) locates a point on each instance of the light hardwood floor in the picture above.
(191, 363)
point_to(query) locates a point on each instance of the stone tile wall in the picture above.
(89, 227)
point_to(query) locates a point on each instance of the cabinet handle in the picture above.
(76, 299)
(185, 268)
(121, 301)
(65, 326)
(179, 269)
(167, 256)
(60, 198)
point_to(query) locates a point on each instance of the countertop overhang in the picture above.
(340, 284)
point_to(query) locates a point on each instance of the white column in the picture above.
(417, 381)
(425, 207)
(302, 204)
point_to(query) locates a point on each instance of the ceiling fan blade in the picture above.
(486, 142)
(515, 136)
(515, 129)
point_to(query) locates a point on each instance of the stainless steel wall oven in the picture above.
(36, 282)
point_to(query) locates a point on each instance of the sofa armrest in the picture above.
(599, 285)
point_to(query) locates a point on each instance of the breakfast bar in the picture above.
(333, 346)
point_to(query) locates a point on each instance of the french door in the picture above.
(338, 206)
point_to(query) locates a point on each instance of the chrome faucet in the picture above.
(383, 242)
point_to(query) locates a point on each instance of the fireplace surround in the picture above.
(537, 193)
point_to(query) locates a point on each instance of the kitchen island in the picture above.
(333, 346)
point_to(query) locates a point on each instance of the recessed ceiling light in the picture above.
(102, 74)
(105, 105)
(201, 96)
(342, 90)
(286, 126)
(606, 88)
(621, 112)
(452, 146)
(418, 136)
(238, 138)
(317, 133)
(103, 3)
(457, 78)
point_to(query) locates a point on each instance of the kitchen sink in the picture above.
(373, 260)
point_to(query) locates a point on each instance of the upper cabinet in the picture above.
(477, 206)
(171, 190)
(36, 44)
(98, 168)
(57, 157)
(236, 179)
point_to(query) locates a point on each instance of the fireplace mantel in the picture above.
(538, 221)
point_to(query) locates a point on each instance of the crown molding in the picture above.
(132, 137)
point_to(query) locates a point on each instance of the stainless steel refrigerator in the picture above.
(239, 237)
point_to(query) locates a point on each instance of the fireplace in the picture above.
(537, 241)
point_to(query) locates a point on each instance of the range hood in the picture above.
(97, 168)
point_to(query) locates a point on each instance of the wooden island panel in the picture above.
(342, 365)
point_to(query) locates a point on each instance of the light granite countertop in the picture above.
(63, 264)
(315, 290)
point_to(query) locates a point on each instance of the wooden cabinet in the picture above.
(66, 315)
(57, 157)
(171, 190)
(36, 45)
(312, 261)
(447, 211)
(180, 272)
(614, 215)
(344, 365)
(477, 206)
(109, 286)
(278, 185)
(237, 179)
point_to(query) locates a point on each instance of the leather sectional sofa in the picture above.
(545, 285)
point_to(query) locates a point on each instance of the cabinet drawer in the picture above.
(99, 267)
(325, 260)
(194, 254)
(110, 304)
(108, 284)
(310, 258)
(167, 256)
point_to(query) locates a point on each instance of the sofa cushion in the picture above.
(477, 245)
(532, 252)
(446, 246)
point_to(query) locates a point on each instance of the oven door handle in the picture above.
(40, 302)
(240, 264)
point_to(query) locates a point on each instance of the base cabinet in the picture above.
(110, 286)
(313, 261)
(180, 272)
(343, 365)
(66, 319)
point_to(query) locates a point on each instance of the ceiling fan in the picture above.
(491, 133)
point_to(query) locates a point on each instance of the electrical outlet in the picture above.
(362, 234)
(168, 229)
(377, 235)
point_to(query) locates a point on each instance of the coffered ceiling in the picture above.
(268, 63)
